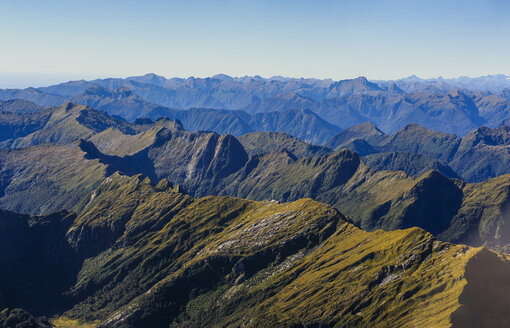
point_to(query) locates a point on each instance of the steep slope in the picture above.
(21, 318)
(150, 256)
(366, 131)
(206, 163)
(265, 142)
(69, 123)
(19, 106)
(390, 199)
(203, 119)
(290, 101)
(476, 157)
(359, 146)
(122, 102)
(494, 108)
(36, 265)
(358, 85)
(451, 112)
(413, 164)
(417, 139)
(32, 180)
(66, 124)
(483, 153)
(300, 123)
(14, 125)
(196, 160)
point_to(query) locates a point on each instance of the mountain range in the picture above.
(141, 255)
(451, 106)
(252, 202)
(479, 155)
(205, 163)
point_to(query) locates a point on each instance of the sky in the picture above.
(45, 42)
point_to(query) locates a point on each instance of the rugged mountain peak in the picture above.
(437, 195)
(70, 106)
(413, 127)
(394, 88)
(169, 123)
(360, 146)
(229, 157)
(413, 164)
(417, 139)
(349, 87)
(416, 129)
(366, 126)
(149, 78)
(499, 136)
(367, 131)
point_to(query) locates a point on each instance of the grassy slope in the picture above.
(34, 181)
(228, 262)
(265, 142)
(154, 256)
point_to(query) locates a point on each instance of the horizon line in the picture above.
(58, 78)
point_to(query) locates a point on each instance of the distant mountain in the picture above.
(36, 96)
(121, 102)
(302, 124)
(452, 112)
(481, 154)
(209, 164)
(288, 101)
(411, 163)
(195, 92)
(435, 104)
(492, 83)
(118, 217)
(205, 163)
(19, 106)
(366, 131)
(359, 146)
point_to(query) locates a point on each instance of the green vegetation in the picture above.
(476, 157)
(266, 142)
(140, 255)
(204, 163)
(413, 164)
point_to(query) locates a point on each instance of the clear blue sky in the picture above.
(42, 42)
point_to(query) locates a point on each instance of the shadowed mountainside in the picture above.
(481, 154)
